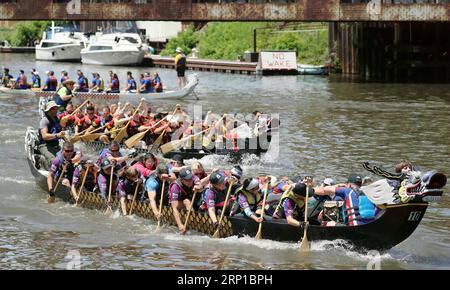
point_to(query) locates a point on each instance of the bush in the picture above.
(187, 40)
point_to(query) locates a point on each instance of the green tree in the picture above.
(187, 40)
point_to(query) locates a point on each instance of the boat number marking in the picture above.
(414, 216)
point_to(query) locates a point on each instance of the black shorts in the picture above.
(180, 73)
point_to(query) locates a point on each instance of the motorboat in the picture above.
(115, 49)
(60, 44)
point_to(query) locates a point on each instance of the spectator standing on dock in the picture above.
(180, 67)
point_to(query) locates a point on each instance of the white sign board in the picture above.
(278, 60)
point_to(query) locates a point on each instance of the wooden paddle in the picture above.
(133, 140)
(304, 245)
(52, 199)
(189, 211)
(109, 209)
(134, 197)
(66, 118)
(176, 144)
(160, 205)
(216, 233)
(123, 131)
(82, 183)
(259, 233)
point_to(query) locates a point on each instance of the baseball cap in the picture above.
(178, 158)
(50, 105)
(236, 171)
(355, 178)
(300, 189)
(216, 178)
(186, 173)
(329, 181)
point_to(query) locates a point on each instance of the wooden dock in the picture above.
(222, 66)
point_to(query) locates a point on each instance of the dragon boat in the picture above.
(394, 223)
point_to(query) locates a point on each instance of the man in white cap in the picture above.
(50, 132)
(180, 67)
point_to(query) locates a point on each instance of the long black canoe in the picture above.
(393, 224)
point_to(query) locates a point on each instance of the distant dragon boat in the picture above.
(392, 225)
(125, 97)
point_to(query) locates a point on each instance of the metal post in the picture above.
(254, 40)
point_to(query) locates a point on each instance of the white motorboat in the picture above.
(115, 49)
(57, 44)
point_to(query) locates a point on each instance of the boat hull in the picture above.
(111, 57)
(70, 52)
(394, 224)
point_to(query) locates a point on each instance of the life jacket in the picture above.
(158, 84)
(53, 83)
(357, 208)
(23, 81)
(299, 204)
(63, 91)
(133, 86)
(103, 156)
(53, 127)
(101, 85)
(181, 63)
(36, 81)
(91, 179)
(251, 199)
(218, 202)
(115, 84)
(186, 191)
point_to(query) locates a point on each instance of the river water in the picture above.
(328, 127)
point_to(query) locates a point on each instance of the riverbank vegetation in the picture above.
(230, 40)
(24, 33)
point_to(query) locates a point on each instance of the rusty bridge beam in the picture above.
(186, 10)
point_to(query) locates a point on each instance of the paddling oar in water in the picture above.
(123, 132)
(304, 246)
(108, 203)
(138, 184)
(66, 118)
(82, 184)
(259, 233)
(176, 144)
(216, 233)
(51, 197)
(160, 205)
(189, 212)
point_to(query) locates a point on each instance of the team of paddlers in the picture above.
(146, 84)
(114, 173)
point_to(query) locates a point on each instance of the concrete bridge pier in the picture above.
(392, 51)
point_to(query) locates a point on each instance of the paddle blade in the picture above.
(216, 234)
(91, 137)
(122, 134)
(259, 233)
(173, 145)
(51, 199)
(158, 141)
(133, 140)
(304, 246)
(75, 139)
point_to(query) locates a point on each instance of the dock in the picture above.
(24, 49)
(222, 66)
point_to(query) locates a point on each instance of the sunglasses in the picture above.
(68, 151)
(117, 150)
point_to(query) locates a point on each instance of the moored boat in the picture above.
(393, 224)
(306, 69)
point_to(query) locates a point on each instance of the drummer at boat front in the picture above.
(358, 209)
(67, 157)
